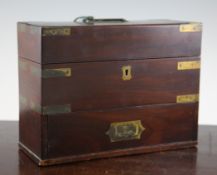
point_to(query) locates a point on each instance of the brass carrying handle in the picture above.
(92, 20)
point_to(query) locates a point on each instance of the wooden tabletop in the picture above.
(194, 161)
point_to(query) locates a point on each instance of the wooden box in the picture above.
(103, 88)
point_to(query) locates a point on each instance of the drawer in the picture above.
(105, 85)
(81, 133)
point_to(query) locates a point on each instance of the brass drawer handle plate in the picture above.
(120, 131)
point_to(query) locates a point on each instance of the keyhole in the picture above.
(126, 75)
(126, 72)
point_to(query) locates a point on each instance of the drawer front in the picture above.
(98, 131)
(104, 85)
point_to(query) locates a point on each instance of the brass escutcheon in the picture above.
(126, 73)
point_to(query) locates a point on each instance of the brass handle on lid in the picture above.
(92, 20)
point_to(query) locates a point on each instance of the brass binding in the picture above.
(188, 65)
(189, 98)
(191, 27)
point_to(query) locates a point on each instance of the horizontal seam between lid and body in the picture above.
(131, 107)
(117, 60)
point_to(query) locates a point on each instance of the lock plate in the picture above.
(126, 73)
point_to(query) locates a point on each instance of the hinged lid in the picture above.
(107, 40)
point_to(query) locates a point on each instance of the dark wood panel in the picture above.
(99, 85)
(30, 127)
(30, 131)
(195, 161)
(29, 81)
(92, 43)
(107, 42)
(85, 132)
(29, 42)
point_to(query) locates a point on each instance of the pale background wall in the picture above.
(66, 10)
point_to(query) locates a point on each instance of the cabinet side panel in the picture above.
(29, 42)
(30, 125)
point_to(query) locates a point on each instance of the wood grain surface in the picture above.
(67, 118)
(83, 133)
(99, 85)
(107, 42)
(196, 161)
